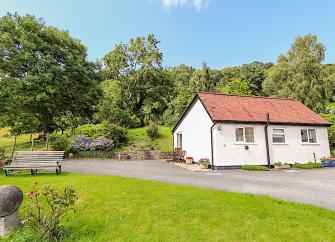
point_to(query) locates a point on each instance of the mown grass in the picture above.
(254, 168)
(124, 209)
(309, 165)
(139, 139)
(22, 142)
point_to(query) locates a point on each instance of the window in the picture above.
(308, 136)
(179, 141)
(239, 135)
(278, 136)
(245, 134)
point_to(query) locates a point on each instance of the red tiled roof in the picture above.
(222, 107)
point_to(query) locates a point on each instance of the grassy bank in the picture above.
(22, 142)
(123, 209)
(137, 138)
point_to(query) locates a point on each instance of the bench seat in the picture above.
(34, 161)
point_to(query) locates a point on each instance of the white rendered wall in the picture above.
(227, 152)
(195, 129)
(295, 150)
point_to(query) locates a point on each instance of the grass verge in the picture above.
(124, 209)
(309, 165)
(254, 168)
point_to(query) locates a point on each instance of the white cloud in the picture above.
(198, 4)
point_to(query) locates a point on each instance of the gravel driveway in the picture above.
(315, 186)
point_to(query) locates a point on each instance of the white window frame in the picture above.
(179, 141)
(244, 141)
(274, 133)
(307, 142)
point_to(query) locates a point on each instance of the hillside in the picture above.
(137, 139)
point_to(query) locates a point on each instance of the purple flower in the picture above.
(102, 143)
(81, 143)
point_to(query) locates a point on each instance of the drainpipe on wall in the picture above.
(267, 139)
(212, 149)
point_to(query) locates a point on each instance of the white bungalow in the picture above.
(234, 130)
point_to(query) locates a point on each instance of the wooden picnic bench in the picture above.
(34, 161)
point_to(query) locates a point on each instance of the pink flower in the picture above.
(31, 194)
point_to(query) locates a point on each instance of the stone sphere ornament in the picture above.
(10, 200)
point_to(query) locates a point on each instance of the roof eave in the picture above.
(274, 123)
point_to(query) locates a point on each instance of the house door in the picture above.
(179, 141)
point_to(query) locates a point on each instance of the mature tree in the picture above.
(236, 86)
(110, 106)
(23, 123)
(255, 74)
(205, 79)
(45, 71)
(145, 88)
(182, 93)
(229, 73)
(300, 75)
(176, 107)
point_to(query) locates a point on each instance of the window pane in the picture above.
(179, 140)
(278, 131)
(312, 136)
(304, 135)
(239, 134)
(278, 138)
(249, 134)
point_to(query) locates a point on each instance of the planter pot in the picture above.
(327, 163)
(285, 166)
(203, 166)
(189, 161)
(282, 166)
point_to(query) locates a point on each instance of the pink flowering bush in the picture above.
(102, 143)
(47, 208)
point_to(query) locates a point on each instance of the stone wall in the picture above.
(144, 155)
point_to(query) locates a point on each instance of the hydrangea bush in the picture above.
(81, 143)
(102, 143)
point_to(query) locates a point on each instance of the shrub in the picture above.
(102, 143)
(326, 159)
(254, 168)
(92, 130)
(47, 208)
(309, 165)
(204, 161)
(81, 143)
(58, 142)
(104, 129)
(152, 130)
(117, 133)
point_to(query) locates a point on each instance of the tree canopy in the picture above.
(45, 72)
(300, 75)
(47, 83)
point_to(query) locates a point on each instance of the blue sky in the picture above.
(221, 32)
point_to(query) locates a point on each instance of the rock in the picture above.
(10, 200)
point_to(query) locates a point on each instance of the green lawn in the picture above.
(123, 209)
(138, 137)
(22, 142)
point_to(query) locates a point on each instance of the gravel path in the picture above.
(315, 186)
